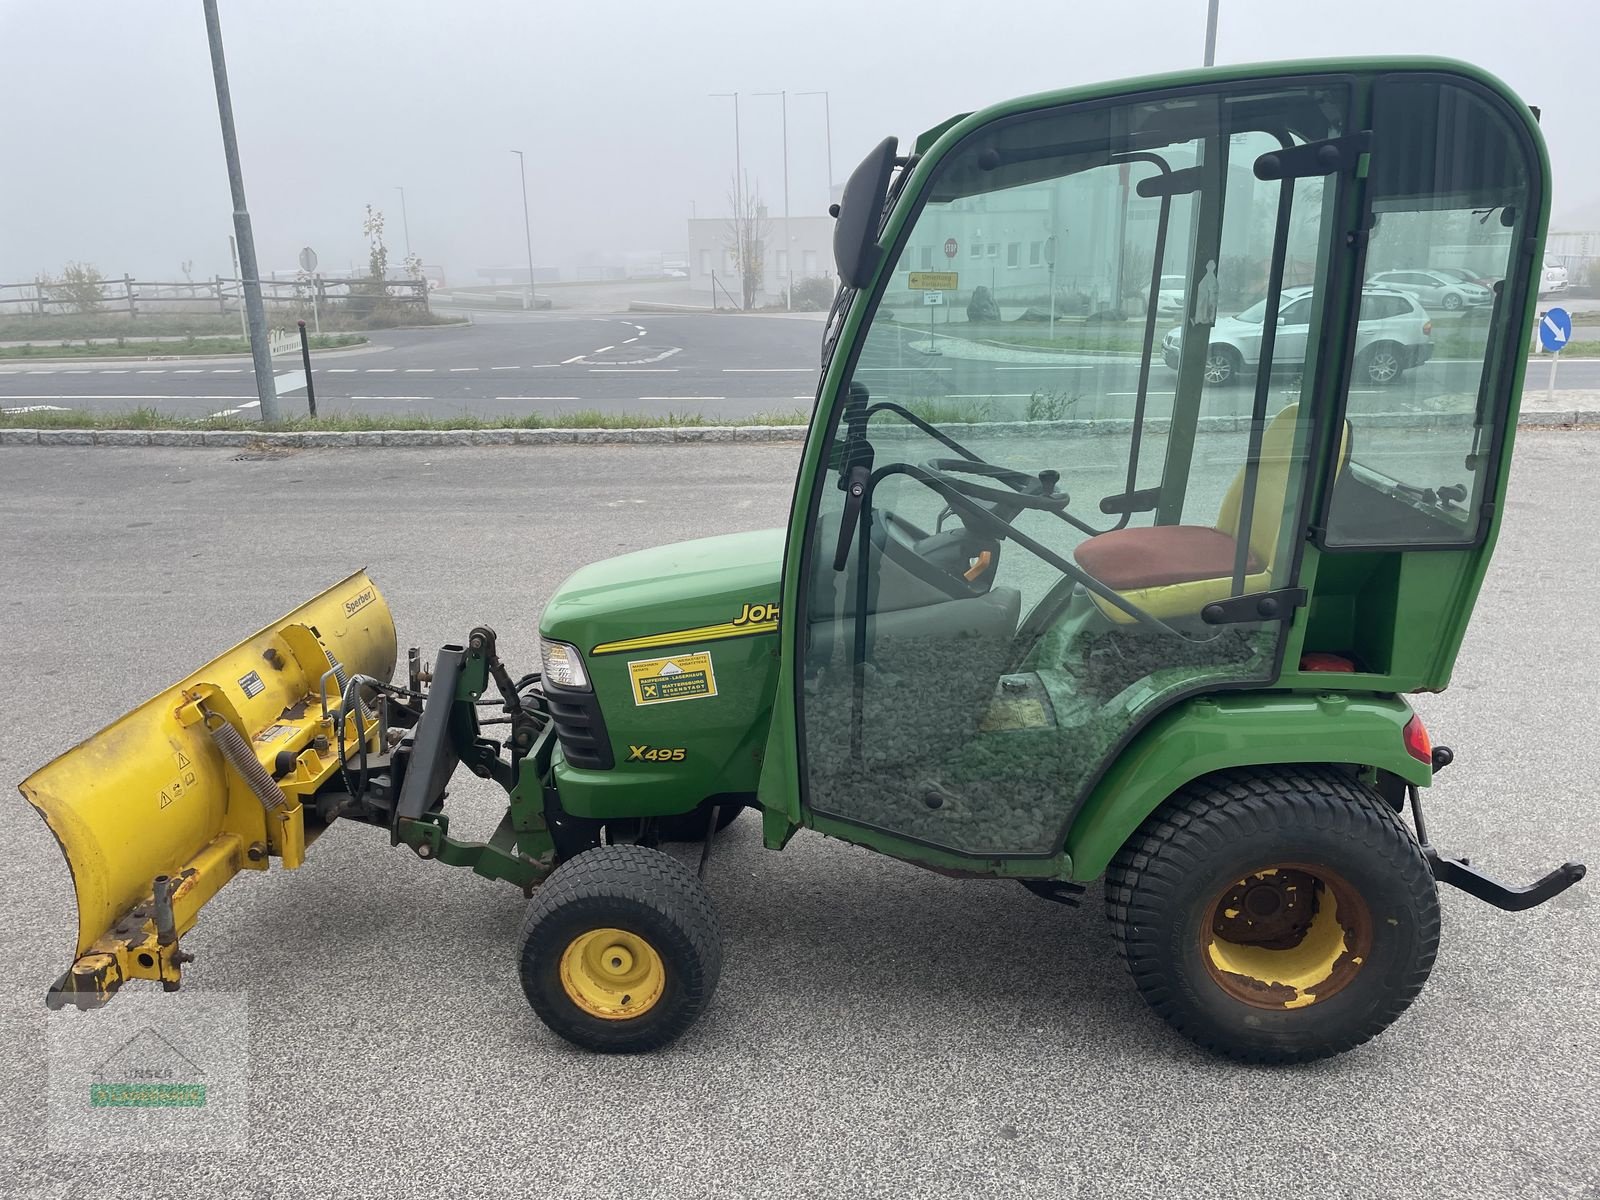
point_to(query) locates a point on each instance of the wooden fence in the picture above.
(135, 297)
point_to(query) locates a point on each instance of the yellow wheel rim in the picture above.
(1286, 936)
(612, 974)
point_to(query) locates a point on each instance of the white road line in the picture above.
(463, 368)
(341, 370)
(640, 328)
(379, 371)
(419, 370)
(190, 371)
(538, 397)
(391, 397)
(32, 408)
(214, 371)
(152, 371)
(74, 371)
(573, 359)
(989, 396)
(510, 368)
(768, 370)
(683, 397)
(905, 368)
(634, 338)
(603, 349)
(51, 371)
(110, 371)
(1050, 367)
(131, 396)
(633, 370)
(807, 396)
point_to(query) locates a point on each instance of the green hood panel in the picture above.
(684, 586)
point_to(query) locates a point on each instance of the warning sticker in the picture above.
(252, 685)
(661, 680)
(273, 732)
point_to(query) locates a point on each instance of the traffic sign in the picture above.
(950, 247)
(308, 259)
(933, 297)
(932, 281)
(1050, 251)
(1555, 329)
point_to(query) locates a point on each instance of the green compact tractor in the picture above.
(1127, 573)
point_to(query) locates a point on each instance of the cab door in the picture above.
(1019, 533)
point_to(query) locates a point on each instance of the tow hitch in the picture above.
(1460, 873)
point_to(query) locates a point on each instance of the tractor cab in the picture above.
(1027, 529)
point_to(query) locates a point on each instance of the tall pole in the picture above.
(738, 154)
(527, 228)
(405, 221)
(249, 274)
(827, 126)
(1211, 33)
(788, 244)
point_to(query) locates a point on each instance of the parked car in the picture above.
(1393, 335)
(1466, 276)
(1170, 298)
(1435, 289)
(1553, 278)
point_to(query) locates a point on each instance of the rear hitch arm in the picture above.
(1460, 873)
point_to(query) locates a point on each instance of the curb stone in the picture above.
(665, 435)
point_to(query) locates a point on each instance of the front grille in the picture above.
(580, 728)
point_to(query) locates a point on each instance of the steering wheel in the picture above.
(1025, 490)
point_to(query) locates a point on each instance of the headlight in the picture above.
(563, 665)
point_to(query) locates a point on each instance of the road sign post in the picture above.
(305, 361)
(1555, 331)
(308, 264)
(1050, 262)
(933, 285)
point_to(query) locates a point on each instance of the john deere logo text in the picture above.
(359, 601)
(756, 614)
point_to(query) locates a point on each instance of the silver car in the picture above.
(1394, 335)
(1435, 289)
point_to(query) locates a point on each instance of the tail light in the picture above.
(1427, 329)
(1418, 744)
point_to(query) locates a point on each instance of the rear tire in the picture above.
(1208, 907)
(620, 950)
(1382, 364)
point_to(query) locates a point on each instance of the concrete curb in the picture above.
(669, 436)
(90, 362)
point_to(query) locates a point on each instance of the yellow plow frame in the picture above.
(156, 812)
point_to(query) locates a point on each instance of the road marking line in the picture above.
(32, 408)
(47, 372)
(905, 368)
(573, 359)
(379, 371)
(391, 397)
(74, 371)
(1051, 367)
(603, 349)
(989, 396)
(633, 370)
(683, 397)
(152, 371)
(190, 371)
(538, 397)
(463, 368)
(229, 412)
(635, 338)
(214, 371)
(768, 370)
(341, 370)
(505, 368)
(640, 328)
(419, 370)
(110, 371)
(131, 396)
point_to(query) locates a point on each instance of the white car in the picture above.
(1170, 298)
(1393, 335)
(1435, 289)
(1553, 278)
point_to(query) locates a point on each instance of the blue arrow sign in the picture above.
(1555, 329)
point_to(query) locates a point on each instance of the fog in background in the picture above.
(110, 150)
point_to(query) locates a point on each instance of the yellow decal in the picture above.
(663, 680)
(359, 601)
(752, 619)
(656, 753)
(1008, 714)
(932, 281)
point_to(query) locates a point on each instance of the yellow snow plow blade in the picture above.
(161, 808)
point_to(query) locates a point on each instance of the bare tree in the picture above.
(746, 238)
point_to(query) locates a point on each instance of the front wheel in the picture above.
(1223, 366)
(1275, 915)
(1452, 302)
(620, 950)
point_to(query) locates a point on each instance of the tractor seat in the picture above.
(1159, 555)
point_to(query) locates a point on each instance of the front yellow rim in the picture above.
(612, 974)
(1286, 936)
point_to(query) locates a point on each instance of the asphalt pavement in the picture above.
(879, 1030)
(657, 364)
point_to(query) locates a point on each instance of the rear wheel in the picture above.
(620, 950)
(1275, 915)
(1381, 364)
(1223, 366)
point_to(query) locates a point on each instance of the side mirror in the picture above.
(855, 238)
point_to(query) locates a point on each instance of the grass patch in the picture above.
(149, 418)
(189, 347)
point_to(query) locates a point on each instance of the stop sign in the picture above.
(949, 247)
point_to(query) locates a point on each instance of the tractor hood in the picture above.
(708, 587)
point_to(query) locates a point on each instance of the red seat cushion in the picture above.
(1156, 555)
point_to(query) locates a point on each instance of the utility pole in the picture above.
(738, 154)
(527, 229)
(405, 221)
(827, 126)
(249, 274)
(1211, 33)
(788, 244)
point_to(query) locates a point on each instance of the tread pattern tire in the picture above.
(647, 893)
(1160, 885)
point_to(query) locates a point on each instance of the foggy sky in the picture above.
(110, 151)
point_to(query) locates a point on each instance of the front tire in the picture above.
(1223, 366)
(620, 950)
(1275, 915)
(1452, 302)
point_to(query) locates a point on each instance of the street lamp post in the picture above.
(405, 221)
(1211, 33)
(249, 273)
(527, 228)
(788, 245)
(738, 153)
(827, 127)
